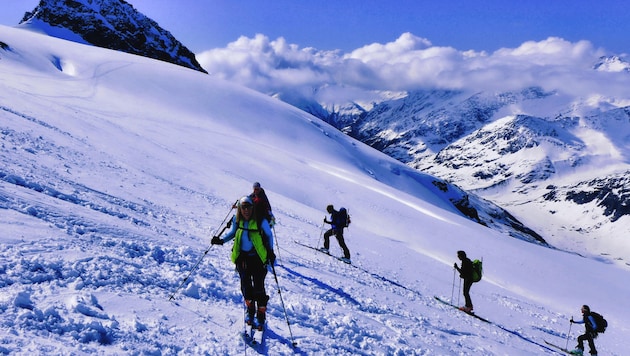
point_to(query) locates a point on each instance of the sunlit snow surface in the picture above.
(116, 171)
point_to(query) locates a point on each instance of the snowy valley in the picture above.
(555, 161)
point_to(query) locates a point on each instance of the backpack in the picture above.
(343, 218)
(477, 270)
(600, 323)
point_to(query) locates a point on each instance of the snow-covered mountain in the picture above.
(432, 130)
(514, 148)
(113, 24)
(612, 64)
(484, 121)
(117, 169)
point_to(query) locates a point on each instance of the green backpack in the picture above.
(477, 270)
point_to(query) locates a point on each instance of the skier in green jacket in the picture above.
(252, 252)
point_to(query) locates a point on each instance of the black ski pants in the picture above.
(587, 336)
(339, 235)
(467, 284)
(252, 273)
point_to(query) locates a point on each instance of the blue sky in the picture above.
(481, 25)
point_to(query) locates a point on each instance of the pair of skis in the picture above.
(254, 337)
(458, 308)
(342, 259)
(568, 352)
(554, 347)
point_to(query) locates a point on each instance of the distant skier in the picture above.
(336, 228)
(261, 203)
(466, 273)
(590, 333)
(252, 252)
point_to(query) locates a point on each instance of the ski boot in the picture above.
(577, 351)
(250, 318)
(259, 326)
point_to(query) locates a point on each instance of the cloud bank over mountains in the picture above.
(411, 63)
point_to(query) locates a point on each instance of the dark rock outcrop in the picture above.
(113, 24)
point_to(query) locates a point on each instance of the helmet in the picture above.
(245, 201)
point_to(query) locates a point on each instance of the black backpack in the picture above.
(343, 218)
(600, 323)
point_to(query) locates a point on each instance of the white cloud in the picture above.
(410, 63)
(406, 43)
(267, 65)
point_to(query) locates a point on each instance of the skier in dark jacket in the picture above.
(261, 203)
(466, 273)
(590, 332)
(336, 228)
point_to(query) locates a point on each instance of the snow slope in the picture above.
(116, 171)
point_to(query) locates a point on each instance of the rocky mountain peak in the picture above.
(112, 24)
(612, 64)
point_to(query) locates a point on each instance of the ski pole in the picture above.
(566, 346)
(276, 243)
(197, 264)
(453, 288)
(245, 325)
(459, 292)
(321, 232)
(275, 276)
(204, 253)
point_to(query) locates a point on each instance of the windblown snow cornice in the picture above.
(114, 24)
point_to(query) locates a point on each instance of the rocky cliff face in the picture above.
(112, 24)
(611, 194)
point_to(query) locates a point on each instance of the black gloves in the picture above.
(216, 241)
(271, 257)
